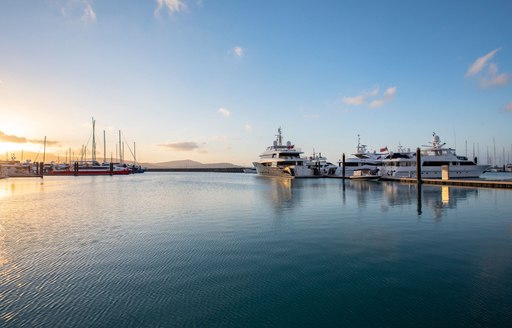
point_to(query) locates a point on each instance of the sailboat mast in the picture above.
(104, 148)
(44, 149)
(120, 152)
(93, 151)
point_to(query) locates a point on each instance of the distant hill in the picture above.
(181, 164)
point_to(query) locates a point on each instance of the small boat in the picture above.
(365, 174)
(249, 170)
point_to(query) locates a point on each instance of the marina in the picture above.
(190, 163)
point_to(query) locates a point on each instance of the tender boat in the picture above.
(365, 174)
(283, 160)
(249, 170)
(402, 164)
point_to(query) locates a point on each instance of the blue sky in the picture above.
(213, 80)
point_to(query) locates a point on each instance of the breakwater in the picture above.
(221, 170)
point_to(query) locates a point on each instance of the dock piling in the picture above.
(343, 166)
(418, 166)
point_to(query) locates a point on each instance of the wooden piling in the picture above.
(418, 166)
(343, 166)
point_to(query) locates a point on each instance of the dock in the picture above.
(458, 182)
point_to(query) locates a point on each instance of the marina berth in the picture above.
(434, 157)
(87, 168)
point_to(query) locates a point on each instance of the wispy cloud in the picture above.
(237, 51)
(389, 95)
(89, 16)
(487, 72)
(508, 107)
(15, 139)
(224, 112)
(369, 95)
(181, 146)
(356, 101)
(493, 78)
(79, 10)
(248, 127)
(479, 64)
(172, 6)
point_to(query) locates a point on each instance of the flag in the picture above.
(384, 149)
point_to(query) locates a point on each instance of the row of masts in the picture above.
(119, 149)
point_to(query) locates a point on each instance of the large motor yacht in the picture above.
(362, 159)
(283, 160)
(402, 164)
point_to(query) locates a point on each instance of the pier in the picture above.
(458, 182)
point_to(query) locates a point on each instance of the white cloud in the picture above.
(248, 127)
(356, 101)
(489, 77)
(493, 78)
(173, 6)
(389, 95)
(79, 10)
(365, 96)
(181, 146)
(479, 64)
(237, 51)
(224, 112)
(508, 107)
(89, 16)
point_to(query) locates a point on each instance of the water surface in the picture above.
(209, 249)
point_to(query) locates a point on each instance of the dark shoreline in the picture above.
(223, 170)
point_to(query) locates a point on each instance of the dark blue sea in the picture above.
(238, 250)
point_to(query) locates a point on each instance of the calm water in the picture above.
(177, 249)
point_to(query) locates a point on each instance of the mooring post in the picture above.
(343, 167)
(41, 169)
(111, 166)
(418, 166)
(75, 169)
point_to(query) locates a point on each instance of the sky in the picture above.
(212, 81)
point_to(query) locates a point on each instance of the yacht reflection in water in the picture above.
(438, 199)
(426, 198)
(287, 194)
(280, 191)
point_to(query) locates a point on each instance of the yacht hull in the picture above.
(433, 173)
(285, 172)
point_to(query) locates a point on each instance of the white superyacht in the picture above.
(403, 164)
(283, 160)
